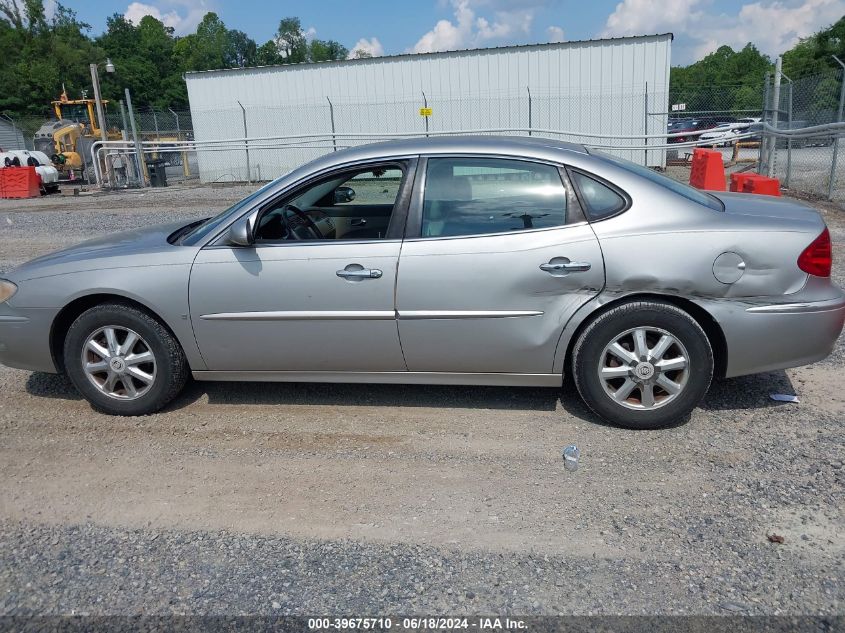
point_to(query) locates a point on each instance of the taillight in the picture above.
(817, 258)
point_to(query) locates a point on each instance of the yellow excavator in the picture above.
(67, 140)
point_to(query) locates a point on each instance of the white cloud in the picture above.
(137, 10)
(468, 29)
(774, 26)
(182, 15)
(371, 46)
(555, 34)
(639, 17)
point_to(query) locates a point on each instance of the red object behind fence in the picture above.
(19, 182)
(708, 170)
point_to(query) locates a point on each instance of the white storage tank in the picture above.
(610, 88)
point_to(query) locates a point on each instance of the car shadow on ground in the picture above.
(746, 392)
(372, 395)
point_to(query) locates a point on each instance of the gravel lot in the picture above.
(355, 499)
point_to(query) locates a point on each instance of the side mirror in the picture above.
(240, 233)
(344, 194)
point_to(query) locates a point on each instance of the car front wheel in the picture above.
(643, 365)
(123, 361)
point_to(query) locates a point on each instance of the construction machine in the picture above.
(67, 140)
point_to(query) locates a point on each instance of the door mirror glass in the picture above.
(240, 233)
(344, 194)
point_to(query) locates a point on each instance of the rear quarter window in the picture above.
(599, 200)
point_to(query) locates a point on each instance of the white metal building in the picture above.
(611, 88)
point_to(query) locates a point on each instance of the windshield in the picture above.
(690, 193)
(209, 226)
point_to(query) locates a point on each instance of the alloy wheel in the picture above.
(644, 368)
(119, 362)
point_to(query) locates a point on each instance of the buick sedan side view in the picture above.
(461, 260)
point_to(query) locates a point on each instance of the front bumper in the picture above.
(25, 338)
(767, 337)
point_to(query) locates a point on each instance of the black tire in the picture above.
(171, 369)
(588, 356)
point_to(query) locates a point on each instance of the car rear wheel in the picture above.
(643, 365)
(123, 361)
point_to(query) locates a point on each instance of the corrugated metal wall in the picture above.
(10, 136)
(618, 86)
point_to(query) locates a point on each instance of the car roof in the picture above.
(460, 144)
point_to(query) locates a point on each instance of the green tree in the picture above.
(268, 54)
(723, 81)
(291, 42)
(812, 55)
(326, 50)
(241, 51)
(39, 55)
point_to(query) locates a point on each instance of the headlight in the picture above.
(7, 290)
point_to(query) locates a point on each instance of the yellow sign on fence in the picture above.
(425, 111)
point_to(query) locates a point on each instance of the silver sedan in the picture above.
(463, 260)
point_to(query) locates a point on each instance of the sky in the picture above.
(389, 27)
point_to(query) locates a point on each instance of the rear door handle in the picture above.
(566, 267)
(364, 273)
(358, 222)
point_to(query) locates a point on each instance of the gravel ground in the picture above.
(354, 499)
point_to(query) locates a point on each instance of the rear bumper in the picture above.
(25, 338)
(767, 337)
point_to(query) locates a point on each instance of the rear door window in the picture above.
(476, 196)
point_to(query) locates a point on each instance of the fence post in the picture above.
(246, 147)
(123, 133)
(789, 138)
(334, 133)
(530, 113)
(832, 182)
(425, 105)
(186, 168)
(645, 125)
(155, 123)
(142, 180)
(764, 138)
(770, 162)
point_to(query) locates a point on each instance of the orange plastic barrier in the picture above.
(738, 180)
(19, 182)
(708, 170)
(762, 185)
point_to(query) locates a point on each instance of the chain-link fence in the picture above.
(650, 126)
(809, 165)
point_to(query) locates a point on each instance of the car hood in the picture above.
(140, 247)
(772, 208)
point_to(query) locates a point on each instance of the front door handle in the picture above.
(566, 267)
(362, 273)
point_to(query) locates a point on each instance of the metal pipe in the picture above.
(832, 180)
